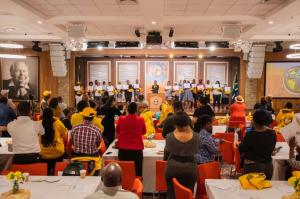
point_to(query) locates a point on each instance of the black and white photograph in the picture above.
(20, 77)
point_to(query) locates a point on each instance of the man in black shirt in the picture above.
(204, 109)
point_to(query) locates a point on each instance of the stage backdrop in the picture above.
(156, 70)
(282, 79)
(21, 77)
(185, 70)
(127, 70)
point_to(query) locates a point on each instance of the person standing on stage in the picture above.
(128, 91)
(110, 89)
(187, 95)
(137, 89)
(98, 92)
(155, 87)
(207, 91)
(168, 90)
(181, 93)
(217, 92)
(200, 89)
(225, 97)
(90, 90)
(194, 92)
(120, 93)
(104, 86)
(175, 92)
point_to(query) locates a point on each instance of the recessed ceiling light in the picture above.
(212, 48)
(171, 56)
(10, 45)
(293, 56)
(10, 56)
(200, 56)
(39, 22)
(8, 29)
(99, 47)
(153, 22)
(271, 22)
(295, 46)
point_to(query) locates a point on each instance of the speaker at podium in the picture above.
(155, 100)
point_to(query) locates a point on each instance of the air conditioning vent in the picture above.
(127, 2)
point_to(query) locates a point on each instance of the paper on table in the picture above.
(291, 129)
(87, 188)
(223, 184)
(284, 188)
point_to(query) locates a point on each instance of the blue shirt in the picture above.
(207, 149)
(6, 114)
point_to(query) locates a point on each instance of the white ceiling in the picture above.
(110, 20)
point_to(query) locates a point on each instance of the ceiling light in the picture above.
(271, 22)
(10, 45)
(200, 56)
(99, 47)
(295, 46)
(10, 56)
(212, 48)
(153, 22)
(171, 56)
(39, 22)
(293, 56)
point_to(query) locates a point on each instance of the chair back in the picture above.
(158, 130)
(128, 174)
(225, 136)
(137, 188)
(36, 169)
(227, 152)
(279, 137)
(60, 166)
(102, 148)
(158, 136)
(181, 192)
(160, 181)
(237, 160)
(205, 171)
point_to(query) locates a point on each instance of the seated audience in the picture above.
(25, 136)
(77, 118)
(109, 111)
(238, 109)
(208, 148)
(6, 114)
(52, 142)
(130, 131)
(204, 109)
(168, 125)
(53, 104)
(66, 120)
(180, 150)
(111, 188)
(86, 137)
(147, 115)
(258, 145)
(285, 115)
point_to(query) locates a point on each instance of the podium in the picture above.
(155, 100)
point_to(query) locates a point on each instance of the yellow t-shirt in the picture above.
(165, 110)
(147, 115)
(58, 148)
(77, 119)
(284, 117)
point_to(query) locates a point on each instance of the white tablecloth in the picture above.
(280, 164)
(150, 157)
(5, 156)
(68, 187)
(231, 189)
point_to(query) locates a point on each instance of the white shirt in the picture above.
(25, 135)
(97, 90)
(112, 192)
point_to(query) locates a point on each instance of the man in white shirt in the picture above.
(25, 136)
(110, 89)
(111, 179)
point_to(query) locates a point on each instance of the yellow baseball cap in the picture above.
(79, 92)
(89, 112)
(47, 93)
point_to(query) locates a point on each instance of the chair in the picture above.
(60, 166)
(102, 148)
(279, 137)
(225, 136)
(227, 153)
(237, 160)
(128, 174)
(158, 136)
(181, 192)
(158, 130)
(209, 170)
(36, 169)
(160, 181)
(137, 188)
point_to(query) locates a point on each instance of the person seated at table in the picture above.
(77, 118)
(285, 115)
(25, 136)
(52, 142)
(109, 111)
(208, 148)
(53, 104)
(166, 108)
(180, 150)
(147, 115)
(294, 160)
(6, 115)
(130, 130)
(204, 109)
(86, 137)
(258, 146)
(237, 110)
(168, 125)
(111, 184)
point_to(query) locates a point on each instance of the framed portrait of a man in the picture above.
(21, 78)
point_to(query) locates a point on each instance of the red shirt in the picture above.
(237, 110)
(130, 131)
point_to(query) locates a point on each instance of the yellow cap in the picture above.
(79, 92)
(47, 93)
(89, 112)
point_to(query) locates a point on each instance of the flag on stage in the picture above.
(235, 89)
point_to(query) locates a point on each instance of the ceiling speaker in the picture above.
(232, 31)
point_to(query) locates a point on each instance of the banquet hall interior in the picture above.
(150, 99)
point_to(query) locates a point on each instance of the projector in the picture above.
(95, 44)
(154, 38)
(127, 44)
(186, 44)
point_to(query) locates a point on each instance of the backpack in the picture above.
(73, 169)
